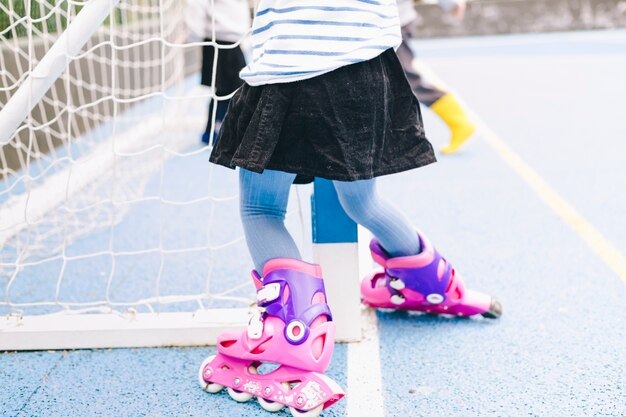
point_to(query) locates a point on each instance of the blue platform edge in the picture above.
(330, 223)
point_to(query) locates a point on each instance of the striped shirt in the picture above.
(299, 39)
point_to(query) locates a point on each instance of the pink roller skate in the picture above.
(293, 328)
(425, 282)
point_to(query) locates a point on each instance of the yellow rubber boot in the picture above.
(461, 127)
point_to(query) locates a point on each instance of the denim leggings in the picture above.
(263, 204)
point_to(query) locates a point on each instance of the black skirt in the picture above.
(357, 122)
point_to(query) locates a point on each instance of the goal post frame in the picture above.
(52, 65)
(335, 247)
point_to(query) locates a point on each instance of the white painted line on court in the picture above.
(592, 236)
(365, 388)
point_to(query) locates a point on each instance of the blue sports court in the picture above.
(532, 210)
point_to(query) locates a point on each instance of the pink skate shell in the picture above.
(273, 347)
(299, 381)
(420, 260)
(286, 263)
(471, 303)
(312, 388)
(459, 301)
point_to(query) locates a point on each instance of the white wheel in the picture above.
(208, 386)
(314, 412)
(270, 406)
(239, 396)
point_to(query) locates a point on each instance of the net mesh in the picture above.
(107, 201)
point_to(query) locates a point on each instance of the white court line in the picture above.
(365, 392)
(585, 230)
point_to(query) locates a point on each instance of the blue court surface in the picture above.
(556, 101)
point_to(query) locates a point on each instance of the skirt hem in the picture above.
(427, 160)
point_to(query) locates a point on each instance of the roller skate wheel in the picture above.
(396, 284)
(208, 386)
(397, 299)
(495, 310)
(239, 396)
(434, 298)
(270, 406)
(314, 412)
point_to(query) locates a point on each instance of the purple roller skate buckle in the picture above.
(301, 289)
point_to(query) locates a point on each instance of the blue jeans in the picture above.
(263, 204)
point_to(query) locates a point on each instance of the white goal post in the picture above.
(100, 115)
(52, 65)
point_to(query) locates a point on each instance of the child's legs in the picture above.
(263, 204)
(390, 226)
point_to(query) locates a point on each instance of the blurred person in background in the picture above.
(226, 22)
(442, 102)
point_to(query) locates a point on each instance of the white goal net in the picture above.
(114, 228)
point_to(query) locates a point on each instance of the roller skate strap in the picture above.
(290, 295)
(427, 272)
(272, 291)
(424, 258)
